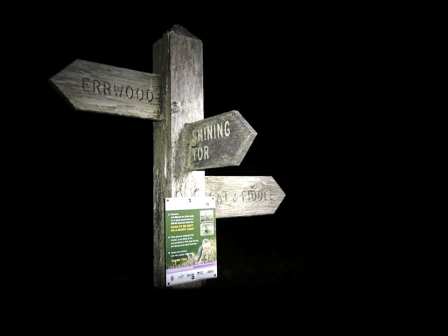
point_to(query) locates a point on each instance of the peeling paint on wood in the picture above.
(242, 196)
(91, 86)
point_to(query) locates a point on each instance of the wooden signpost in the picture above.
(219, 141)
(177, 57)
(242, 196)
(97, 87)
(184, 142)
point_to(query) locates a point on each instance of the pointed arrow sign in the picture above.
(238, 196)
(90, 86)
(219, 141)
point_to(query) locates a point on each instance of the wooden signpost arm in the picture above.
(177, 58)
(184, 143)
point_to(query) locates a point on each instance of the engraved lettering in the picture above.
(118, 90)
(221, 198)
(149, 96)
(209, 133)
(227, 128)
(213, 131)
(106, 88)
(219, 131)
(252, 195)
(137, 94)
(85, 81)
(96, 86)
(131, 90)
(200, 153)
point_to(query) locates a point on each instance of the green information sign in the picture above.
(190, 239)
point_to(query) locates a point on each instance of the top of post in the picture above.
(178, 29)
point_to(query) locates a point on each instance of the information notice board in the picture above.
(190, 239)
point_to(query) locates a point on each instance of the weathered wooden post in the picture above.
(177, 58)
(184, 142)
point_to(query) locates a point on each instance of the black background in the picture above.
(329, 90)
(292, 73)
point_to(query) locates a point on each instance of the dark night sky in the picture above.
(91, 182)
(328, 91)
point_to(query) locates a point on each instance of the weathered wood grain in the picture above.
(90, 86)
(241, 196)
(218, 141)
(179, 61)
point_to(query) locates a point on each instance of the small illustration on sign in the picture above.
(190, 239)
(207, 222)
